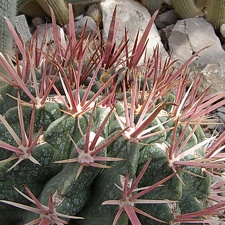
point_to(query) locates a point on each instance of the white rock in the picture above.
(134, 17)
(189, 36)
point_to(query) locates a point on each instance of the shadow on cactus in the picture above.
(128, 201)
(48, 215)
(94, 144)
(73, 108)
(25, 144)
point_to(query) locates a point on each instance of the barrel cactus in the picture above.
(90, 136)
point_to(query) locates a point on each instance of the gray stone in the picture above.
(90, 27)
(189, 36)
(165, 34)
(221, 116)
(165, 19)
(134, 17)
(213, 75)
(221, 109)
(222, 30)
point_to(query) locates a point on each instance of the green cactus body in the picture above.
(17, 179)
(57, 132)
(186, 9)
(158, 170)
(132, 149)
(43, 117)
(11, 116)
(73, 190)
(10, 215)
(33, 175)
(158, 127)
(45, 154)
(195, 191)
(192, 140)
(215, 12)
(8, 96)
(104, 189)
(200, 135)
(159, 211)
(7, 138)
(6, 101)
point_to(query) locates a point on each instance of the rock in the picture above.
(213, 75)
(134, 17)
(222, 30)
(189, 36)
(90, 27)
(221, 109)
(165, 19)
(221, 116)
(165, 34)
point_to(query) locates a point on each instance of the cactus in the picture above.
(7, 9)
(131, 151)
(41, 8)
(154, 5)
(212, 10)
(187, 9)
